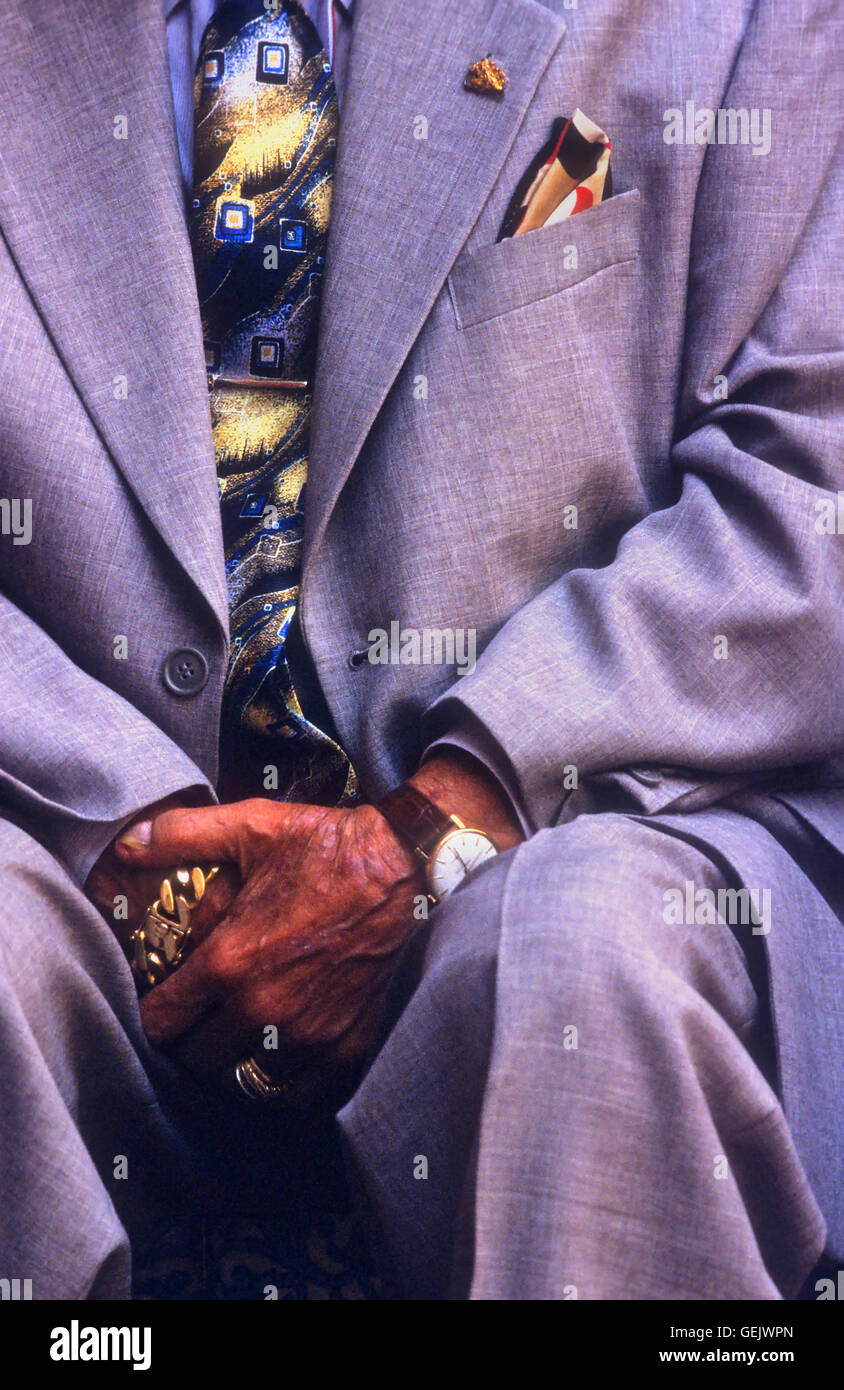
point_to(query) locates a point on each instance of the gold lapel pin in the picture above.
(486, 77)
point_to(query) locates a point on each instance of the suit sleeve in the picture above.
(76, 759)
(715, 638)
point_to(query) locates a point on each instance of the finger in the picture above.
(236, 1029)
(124, 895)
(307, 1078)
(220, 894)
(316, 1074)
(242, 1025)
(221, 1039)
(204, 834)
(181, 1001)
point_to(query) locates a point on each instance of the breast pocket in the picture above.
(489, 281)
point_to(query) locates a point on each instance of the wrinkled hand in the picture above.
(307, 946)
(122, 891)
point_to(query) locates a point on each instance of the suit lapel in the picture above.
(96, 227)
(403, 205)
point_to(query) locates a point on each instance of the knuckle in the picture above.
(259, 812)
(222, 962)
(296, 1029)
(255, 1013)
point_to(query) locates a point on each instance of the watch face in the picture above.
(457, 854)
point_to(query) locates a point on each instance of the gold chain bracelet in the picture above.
(158, 948)
(159, 943)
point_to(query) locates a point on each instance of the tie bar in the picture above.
(262, 382)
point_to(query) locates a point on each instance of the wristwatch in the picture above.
(448, 848)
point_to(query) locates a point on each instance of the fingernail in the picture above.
(138, 836)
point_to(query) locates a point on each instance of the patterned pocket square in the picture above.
(570, 173)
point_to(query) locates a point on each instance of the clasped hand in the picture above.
(295, 942)
(298, 933)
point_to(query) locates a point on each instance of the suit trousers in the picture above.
(574, 1096)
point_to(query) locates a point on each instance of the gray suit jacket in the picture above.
(669, 364)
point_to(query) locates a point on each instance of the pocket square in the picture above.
(569, 174)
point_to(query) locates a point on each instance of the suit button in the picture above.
(647, 775)
(185, 671)
(358, 658)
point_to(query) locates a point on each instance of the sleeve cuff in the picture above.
(83, 842)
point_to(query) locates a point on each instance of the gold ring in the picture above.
(257, 1086)
(159, 942)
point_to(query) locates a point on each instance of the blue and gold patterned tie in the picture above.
(266, 126)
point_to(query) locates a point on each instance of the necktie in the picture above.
(265, 135)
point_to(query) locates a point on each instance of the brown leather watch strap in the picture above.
(415, 819)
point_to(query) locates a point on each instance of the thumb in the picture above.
(186, 836)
